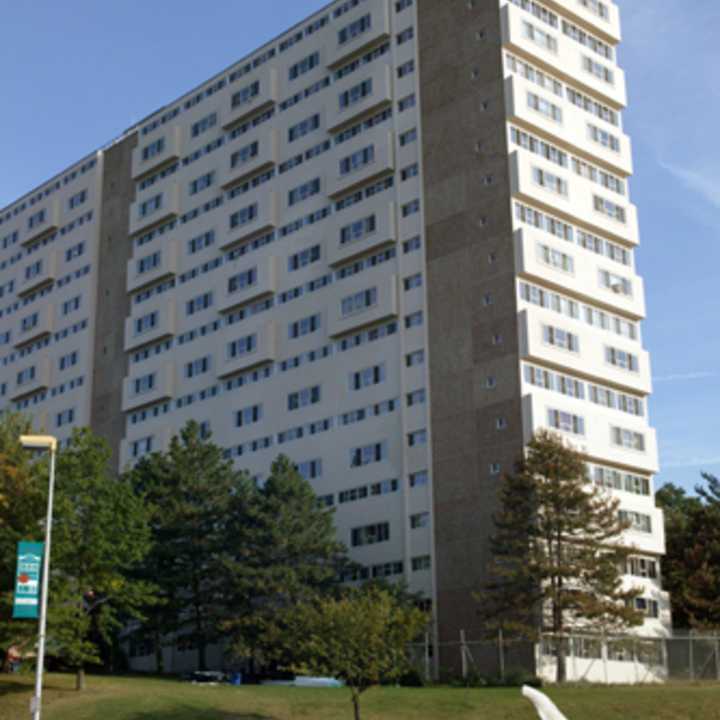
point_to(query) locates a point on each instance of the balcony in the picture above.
(46, 275)
(170, 146)
(596, 442)
(266, 342)
(383, 163)
(164, 326)
(381, 78)
(163, 389)
(266, 282)
(166, 267)
(41, 380)
(49, 222)
(265, 98)
(266, 157)
(379, 30)
(141, 218)
(266, 214)
(567, 62)
(578, 204)
(584, 279)
(44, 324)
(590, 361)
(385, 232)
(386, 305)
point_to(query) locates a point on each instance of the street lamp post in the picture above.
(43, 442)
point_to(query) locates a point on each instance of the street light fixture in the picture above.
(43, 442)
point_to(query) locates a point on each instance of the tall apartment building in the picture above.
(392, 243)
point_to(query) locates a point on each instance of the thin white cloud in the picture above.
(691, 462)
(678, 377)
(705, 183)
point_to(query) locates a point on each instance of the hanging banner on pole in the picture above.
(27, 580)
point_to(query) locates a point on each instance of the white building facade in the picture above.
(279, 285)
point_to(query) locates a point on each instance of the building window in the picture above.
(358, 301)
(417, 437)
(74, 251)
(357, 160)
(370, 534)
(305, 326)
(77, 199)
(303, 398)
(628, 439)
(25, 376)
(544, 107)
(617, 480)
(68, 361)
(415, 358)
(368, 454)
(406, 103)
(303, 66)
(304, 127)
(244, 154)
(197, 367)
(642, 567)
(199, 303)
(304, 191)
(638, 521)
(540, 37)
(303, 258)
(409, 136)
(419, 520)
(621, 359)
(354, 29)
(153, 148)
(609, 208)
(148, 262)
(246, 94)
(411, 208)
(310, 469)
(141, 447)
(604, 138)
(616, 283)
(421, 563)
(494, 468)
(357, 230)
(414, 320)
(65, 417)
(555, 258)
(146, 323)
(549, 181)
(355, 94)
(410, 171)
(406, 68)
(144, 384)
(201, 183)
(598, 70)
(242, 346)
(566, 422)
(244, 216)
(561, 338)
(412, 245)
(248, 415)
(367, 377)
(405, 35)
(151, 205)
(419, 479)
(199, 127)
(201, 241)
(416, 397)
(242, 280)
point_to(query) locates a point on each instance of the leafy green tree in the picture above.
(691, 567)
(360, 638)
(285, 551)
(190, 491)
(22, 508)
(100, 534)
(556, 557)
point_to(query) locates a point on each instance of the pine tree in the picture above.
(556, 557)
(691, 568)
(286, 552)
(190, 490)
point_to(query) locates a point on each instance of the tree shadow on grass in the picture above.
(191, 712)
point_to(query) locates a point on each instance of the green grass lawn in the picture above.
(152, 699)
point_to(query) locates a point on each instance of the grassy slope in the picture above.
(148, 699)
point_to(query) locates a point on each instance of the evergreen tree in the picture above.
(691, 567)
(191, 491)
(285, 552)
(556, 557)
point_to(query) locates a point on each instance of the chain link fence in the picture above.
(617, 659)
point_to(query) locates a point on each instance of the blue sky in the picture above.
(76, 74)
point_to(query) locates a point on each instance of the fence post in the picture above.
(463, 655)
(501, 653)
(635, 661)
(692, 657)
(717, 657)
(427, 657)
(604, 653)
